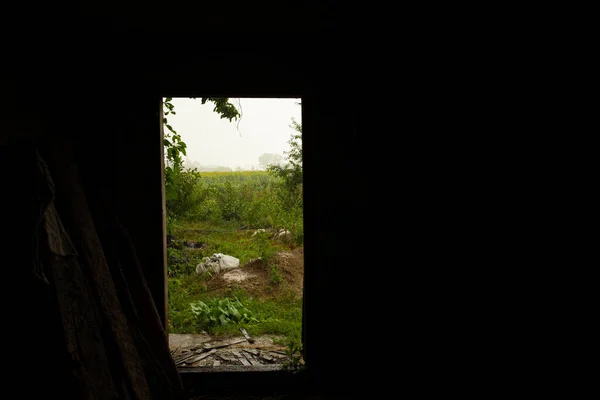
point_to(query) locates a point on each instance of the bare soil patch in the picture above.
(256, 277)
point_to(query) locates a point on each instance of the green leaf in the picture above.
(170, 193)
(235, 312)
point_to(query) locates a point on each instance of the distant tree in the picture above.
(267, 159)
(291, 171)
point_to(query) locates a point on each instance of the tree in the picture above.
(267, 159)
(291, 171)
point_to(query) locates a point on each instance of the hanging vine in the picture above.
(175, 148)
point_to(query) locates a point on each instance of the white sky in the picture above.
(263, 128)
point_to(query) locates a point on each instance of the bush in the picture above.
(185, 197)
(230, 202)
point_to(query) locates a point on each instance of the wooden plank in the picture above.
(184, 358)
(200, 357)
(175, 350)
(218, 345)
(254, 362)
(252, 351)
(237, 353)
(163, 295)
(245, 362)
(248, 338)
(226, 357)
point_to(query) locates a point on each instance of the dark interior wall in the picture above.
(139, 187)
(112, 109)
(263, 16)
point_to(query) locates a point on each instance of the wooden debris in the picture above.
(222, 344)
(218, 353)
(253, 361)
(184, 358)
(225, 357)
(175, 350)
(200, 357)
(248, 338)
(237, 353)
(252, 351)
(196, 358)
(277, 354)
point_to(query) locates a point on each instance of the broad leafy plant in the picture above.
(221, 312)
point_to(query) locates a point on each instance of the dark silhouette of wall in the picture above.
(105, 94)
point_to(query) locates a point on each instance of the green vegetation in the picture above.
(193, 310)
(253, 199)
(219, 212)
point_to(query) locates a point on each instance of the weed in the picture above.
(294, 353)
(275, 275)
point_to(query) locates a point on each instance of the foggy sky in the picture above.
(263, 128)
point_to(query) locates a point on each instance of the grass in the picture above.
(225, 314)
(226, 238)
